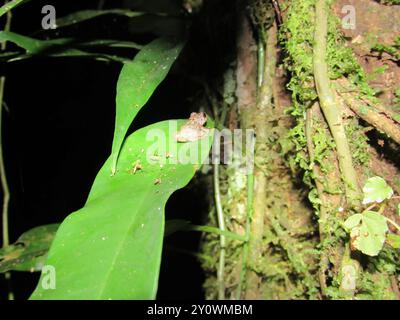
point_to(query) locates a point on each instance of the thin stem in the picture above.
(3, 176)
(250, 199)
(261, 60)
(4, 183)
(393, 223)
(221, 225)
(370, 207)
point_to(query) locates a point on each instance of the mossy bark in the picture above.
(311, 158)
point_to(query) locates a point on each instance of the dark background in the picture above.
(59, 125)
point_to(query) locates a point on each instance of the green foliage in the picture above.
(29, 252)
(393, 50)
(397, 93)
(358, 142)
(297, 38)
(375, 286)
(376, 190)
(111, 248)
(323, 144)
(342, 61)
(367, 232)
(394, 240)
(368, 229)
(390, 2)
(31, 45)
(386, 262)
(56, 48)
(11, 5)
(137, 81)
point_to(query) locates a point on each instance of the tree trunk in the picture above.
(321, 132)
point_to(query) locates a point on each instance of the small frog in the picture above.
(193, 130)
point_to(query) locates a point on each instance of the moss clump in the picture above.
(390, 2)
(392, 50)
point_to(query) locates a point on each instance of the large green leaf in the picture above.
(28, 253)
(111, 248)
(137, 82)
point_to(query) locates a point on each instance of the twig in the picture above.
(393, 223)
(381, 121)
(260, 59)
(370, 207)
(278, 12)
(330, 107)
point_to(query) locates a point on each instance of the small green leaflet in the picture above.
(367, 232)
(137, 82)
(29, 252)
(394, 240)
(376, 190)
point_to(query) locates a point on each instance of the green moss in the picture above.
(342, 61)
(297, 39)
(392, 50)
(358, 143)
(375, 286)
(390, 2)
